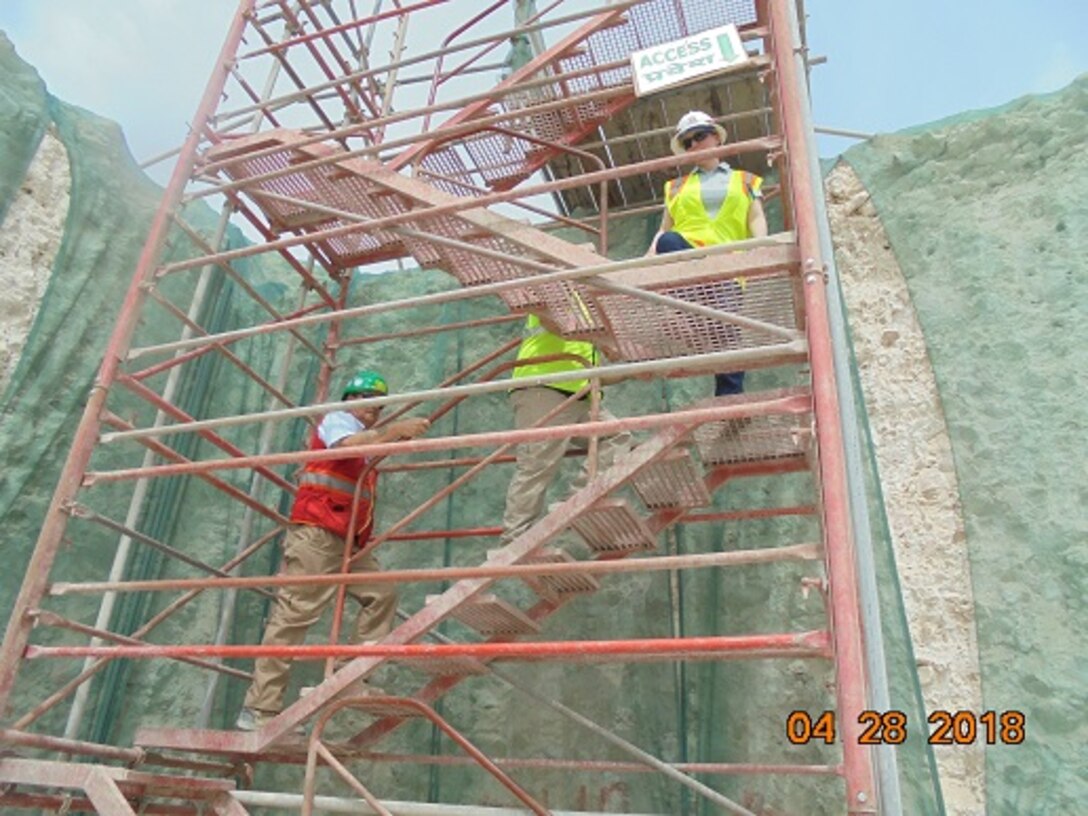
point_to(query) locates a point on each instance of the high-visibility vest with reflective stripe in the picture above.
(326, 490)
(539, 342)
(684, 203)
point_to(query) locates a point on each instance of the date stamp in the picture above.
(892, 727)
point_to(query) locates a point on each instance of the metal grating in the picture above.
(490, 616)
(672, 482)
(648, 331)
(556, 587)
(752, 439)
(346, 188)
(322, 185)
(612, 526)
(447, 171)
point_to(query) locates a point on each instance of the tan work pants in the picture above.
(537, 462)
(314, 551)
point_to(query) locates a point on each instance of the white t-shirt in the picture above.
(338, 425)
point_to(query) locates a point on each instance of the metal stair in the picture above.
(477, 246)
(611, 526)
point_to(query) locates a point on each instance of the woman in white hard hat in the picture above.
(713, 204)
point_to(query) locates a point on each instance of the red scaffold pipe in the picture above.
(795, 644)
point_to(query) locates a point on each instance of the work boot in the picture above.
(250, 719)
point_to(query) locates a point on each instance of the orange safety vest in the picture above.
(326, 489)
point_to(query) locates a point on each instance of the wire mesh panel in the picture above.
(646, 331)
(448, 666)
(672, 482)
(613, 525)
(490, 615)
(752, 439)
(555, 587)
(322, 186)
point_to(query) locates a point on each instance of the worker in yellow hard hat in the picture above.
(712, 204)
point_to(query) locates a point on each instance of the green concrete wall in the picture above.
(988, 219)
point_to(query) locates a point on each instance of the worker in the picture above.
(713, 204)
(315, 542)
(537, 462)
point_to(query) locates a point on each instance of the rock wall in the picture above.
(29, 241)
(986, 216)
(917, 474)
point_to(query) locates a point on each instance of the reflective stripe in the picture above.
(310, 479)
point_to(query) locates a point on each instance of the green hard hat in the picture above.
(366, 384)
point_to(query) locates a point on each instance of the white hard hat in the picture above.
(693, 120)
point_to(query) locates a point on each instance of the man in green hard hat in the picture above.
(323, 518)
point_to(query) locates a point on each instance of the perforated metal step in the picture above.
(753, 439)
(556, 587)
(612, 525)
(490, 616)
(645, 331)
(672, 482)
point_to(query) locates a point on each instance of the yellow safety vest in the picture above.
(684, 203)
(539, 342)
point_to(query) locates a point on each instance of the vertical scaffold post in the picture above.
(842, 571)
(83, 443)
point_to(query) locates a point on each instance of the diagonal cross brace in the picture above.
(462, 592)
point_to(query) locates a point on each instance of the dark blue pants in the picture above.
(724, 384)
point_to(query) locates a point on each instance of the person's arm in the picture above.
(666, 225)
(408, 428)
(757, 221)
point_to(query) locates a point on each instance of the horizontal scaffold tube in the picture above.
(334, 804)
(792, 644)
(767, 403)
(469, 293)
(598, 765)
(796, 552)
(798, 404)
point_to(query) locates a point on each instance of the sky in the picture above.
(890, 64)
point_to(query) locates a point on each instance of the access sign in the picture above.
(680, 61)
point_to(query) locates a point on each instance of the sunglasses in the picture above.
(695, 138)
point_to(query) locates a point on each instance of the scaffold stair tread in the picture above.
(612, 525)
(672, 482)
(753, 439)
(490, 615)
(556, 587)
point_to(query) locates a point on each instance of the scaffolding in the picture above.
(340, 163)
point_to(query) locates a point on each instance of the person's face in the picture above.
(367, 414)
(701, 139)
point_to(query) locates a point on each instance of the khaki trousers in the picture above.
(537, 462)
(314, 551)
